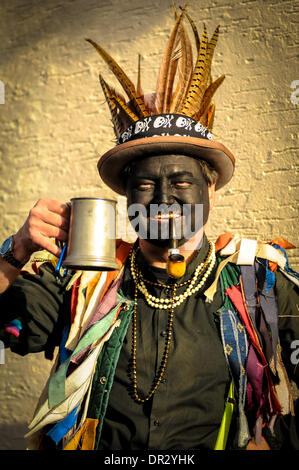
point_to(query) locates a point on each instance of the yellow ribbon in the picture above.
(84, 439)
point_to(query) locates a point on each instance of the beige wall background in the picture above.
(54, 123)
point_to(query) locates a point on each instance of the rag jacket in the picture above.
(100, 314)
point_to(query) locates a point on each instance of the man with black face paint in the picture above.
(150, 360)
(177, 182)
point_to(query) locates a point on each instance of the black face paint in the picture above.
(174, 181)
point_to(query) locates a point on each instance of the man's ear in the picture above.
(212, 195)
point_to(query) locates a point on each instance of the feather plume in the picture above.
(207, 79)
(118, 100)
(175, 10)
(167, 66)
(204, 119)
(211, 115)
(112, 107)
(209, 93)
(185, 70)
(212, 44)
(139, 89)
(170, 80)
(196, 88)
(210, 52)
(123, 79)
(207, 118)
(181, 87)
(195, 32)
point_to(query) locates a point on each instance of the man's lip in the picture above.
(166, 216)
(166, 220)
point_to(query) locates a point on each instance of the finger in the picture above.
(58, 208)
(54, 206)
(56, 220)
(48, 244)
(51, 231)
(41, 212)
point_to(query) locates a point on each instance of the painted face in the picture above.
(163, 184)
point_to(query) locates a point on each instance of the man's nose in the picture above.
(164, 192)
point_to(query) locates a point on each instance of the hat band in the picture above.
(165, 125)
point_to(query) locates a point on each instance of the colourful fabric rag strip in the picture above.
(270, 276)
(14, 327)
(223, 432)
(265, 404)
(111, 299)
(60, 429)
(235, 345)
(234, 340)
(287, 267)
(64, 353)
(84, 439)
(56, 390)
(269, 307)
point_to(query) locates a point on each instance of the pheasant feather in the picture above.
(195, 32)
(123, 79)
(209, 93)
(170, 80)
(112, 107)
(211, 115)
(139, 89)
(196, 91)
(210, 52)
(185, 70)
(181, 88)
(118, 100)
(167, 66)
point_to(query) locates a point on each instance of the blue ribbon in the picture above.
(235, 345)
(62, 427)
(287, 267)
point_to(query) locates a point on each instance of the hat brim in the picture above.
(113, 162)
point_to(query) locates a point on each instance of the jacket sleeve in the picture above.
(34, 311)
(287, 294)
(287, 426)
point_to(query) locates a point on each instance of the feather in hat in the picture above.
(182, 87)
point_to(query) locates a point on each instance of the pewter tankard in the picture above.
(92, 233)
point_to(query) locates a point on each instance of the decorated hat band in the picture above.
(165, 125)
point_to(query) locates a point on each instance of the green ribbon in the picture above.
(56, 390)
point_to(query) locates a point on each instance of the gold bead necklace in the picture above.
(204, 268)
(165, 354)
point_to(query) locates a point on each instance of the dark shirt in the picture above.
(186, 410)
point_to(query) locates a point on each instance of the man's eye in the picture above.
(144, 186)
(182, 184)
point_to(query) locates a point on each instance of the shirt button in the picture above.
(163, 333)
(102, 380)
(168, 292)
(164, 380)
(156, 422)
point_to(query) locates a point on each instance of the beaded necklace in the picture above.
(203, 270)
